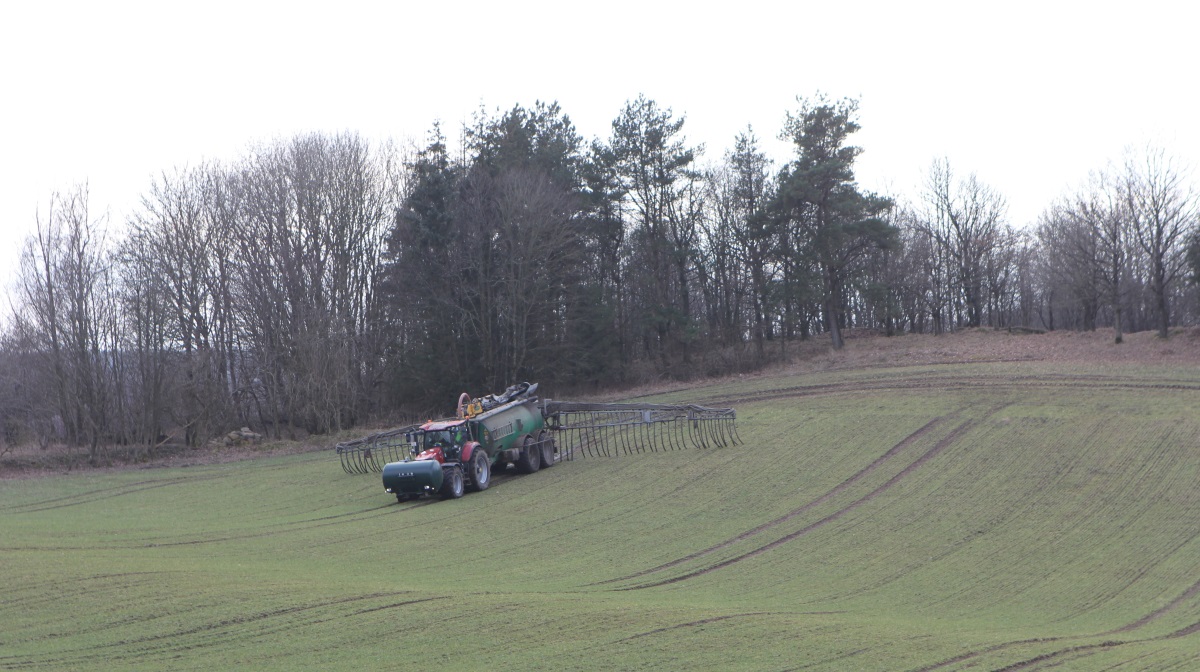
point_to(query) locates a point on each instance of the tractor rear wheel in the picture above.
(530, 458)
(546, 441)
(480, 470)
(452, 483)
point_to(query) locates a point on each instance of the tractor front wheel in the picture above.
(530, 458)
(452, 483)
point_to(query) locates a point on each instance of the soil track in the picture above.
(933, 452)
(839, 488)
(92, 496)
(948, 382)
(692, 624)
(271, 530)
(1089, 649)
(165, 642)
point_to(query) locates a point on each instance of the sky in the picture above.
(1028, 96)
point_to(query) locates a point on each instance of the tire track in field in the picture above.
(90, 492)
(836, 490)
(933, 452)
(1137, 576)
(969, 655)
(313, 523)
(99, 494)
(242, 635)
(948, 383)
(323, 521)
(827, 661)
(1188, 594)
(1086, 649)
(297, 526)
(692, 624)
(1027, 663)
(57, 589)
(211, 636)
(71, 656)
(92, 496)
(1192, 629)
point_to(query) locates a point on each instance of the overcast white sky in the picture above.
(1030, 96)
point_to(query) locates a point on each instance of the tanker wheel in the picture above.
(530, 458)
(481, 471)
(452, 484)
(546, 441)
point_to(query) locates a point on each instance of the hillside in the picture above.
(984, 501)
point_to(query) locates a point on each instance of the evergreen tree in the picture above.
(429, 350)
(657, 173)
(837, 224)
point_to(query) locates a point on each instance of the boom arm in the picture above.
(606, 430)
(580, 428)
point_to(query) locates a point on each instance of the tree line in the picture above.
(320, 281)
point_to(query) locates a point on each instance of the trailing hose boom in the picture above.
(489, 433)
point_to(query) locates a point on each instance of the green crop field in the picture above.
(987, 516)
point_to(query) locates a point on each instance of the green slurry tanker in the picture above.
(488, 434)
(448, 457)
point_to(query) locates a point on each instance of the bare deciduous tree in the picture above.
(65, 290)
(964, 217)
(1163, 210)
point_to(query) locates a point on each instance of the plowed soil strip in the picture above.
(838, 489)
(920, 461)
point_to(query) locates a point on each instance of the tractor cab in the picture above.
(442, 440)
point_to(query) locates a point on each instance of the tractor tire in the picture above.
(480, 469)
(402, 498)
(530, 458)
(546, 441)
(452, 483)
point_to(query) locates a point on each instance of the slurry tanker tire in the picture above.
(530, 458)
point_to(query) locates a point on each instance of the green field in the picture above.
(991, 516)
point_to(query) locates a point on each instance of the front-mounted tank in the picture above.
(435, 466)
(412, 478)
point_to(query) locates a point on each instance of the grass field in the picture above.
(982, 516)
